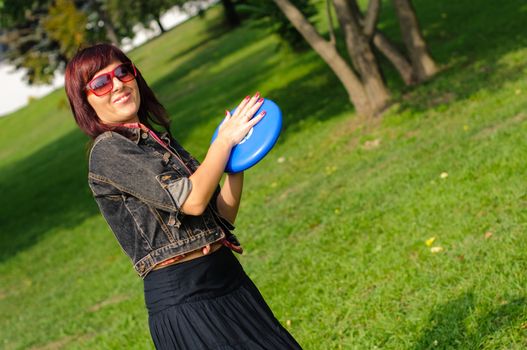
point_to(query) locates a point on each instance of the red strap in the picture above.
(237, 249)
(145, 128)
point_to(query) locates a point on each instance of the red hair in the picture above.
(82, 68)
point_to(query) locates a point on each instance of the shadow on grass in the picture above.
(41, 193)
(44, 192)
(314, 96)
(447, 323)
(214, 33)
(467, 43)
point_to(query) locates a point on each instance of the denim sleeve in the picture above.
(118, 164)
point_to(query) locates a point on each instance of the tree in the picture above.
(364, 80)
(423, 65)
(361, 54)
(230, 13)
(381, 42)
(27, 43)
(265, 15)
(151, 10)
(351, 82)
(41, 35)
(67, 26)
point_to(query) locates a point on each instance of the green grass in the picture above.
(334, 220)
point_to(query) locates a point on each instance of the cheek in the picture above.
(92, 102)
(98, 104)
(135, 89)
(138, 98)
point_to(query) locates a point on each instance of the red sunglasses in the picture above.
(103, 84)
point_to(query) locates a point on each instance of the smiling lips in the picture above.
(122, 99)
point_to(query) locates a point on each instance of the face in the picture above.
(121, 104)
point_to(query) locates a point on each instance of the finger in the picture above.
(256, 119)
(227, 117)
(240, 107)
(250, 104)
(206, 249)
(250, 112)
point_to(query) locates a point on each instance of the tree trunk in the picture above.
(361, 53)
(399, 61)
(422, 63)
(372, 15)
(329, 54)
(111, 33)
(158, 21)
(230, 13)
(381, 42)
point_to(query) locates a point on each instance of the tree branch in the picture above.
(372, 15)
(331, 25)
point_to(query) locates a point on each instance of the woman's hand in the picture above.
(206, 178)
(236, 126)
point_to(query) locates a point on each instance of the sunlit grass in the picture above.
(335, 220)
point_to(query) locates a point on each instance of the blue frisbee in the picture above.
(258, 142)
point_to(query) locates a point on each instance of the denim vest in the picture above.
(139, 187)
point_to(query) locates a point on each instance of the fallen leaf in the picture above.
(443, 175)
(488, 234)
(330, 169)
(281, 160)
(430, 241)
(437, 249)
(288, 323)
(372, 144)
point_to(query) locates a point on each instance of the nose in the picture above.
(117, 84)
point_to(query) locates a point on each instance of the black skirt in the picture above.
(210, 303)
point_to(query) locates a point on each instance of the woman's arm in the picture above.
(228, 200)
(233, 129)
(206, 177)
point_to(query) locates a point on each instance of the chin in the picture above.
(127, 115)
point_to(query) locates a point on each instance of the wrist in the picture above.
(235, 175)
(224, 142)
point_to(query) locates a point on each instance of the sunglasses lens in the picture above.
(125, 72)
(101, 85)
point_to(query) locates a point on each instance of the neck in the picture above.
(132, 125)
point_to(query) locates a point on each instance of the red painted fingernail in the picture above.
(261, 100)
(226, 112)
(257, 93)
(264, 113)
(247, 97)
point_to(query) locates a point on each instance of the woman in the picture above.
(167, 211)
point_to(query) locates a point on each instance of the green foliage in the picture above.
(41, 35)
(28, 44)
(267, 16)
(67, 26)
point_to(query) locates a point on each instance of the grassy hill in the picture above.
(340, 221)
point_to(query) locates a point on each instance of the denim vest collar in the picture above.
(136, 130)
